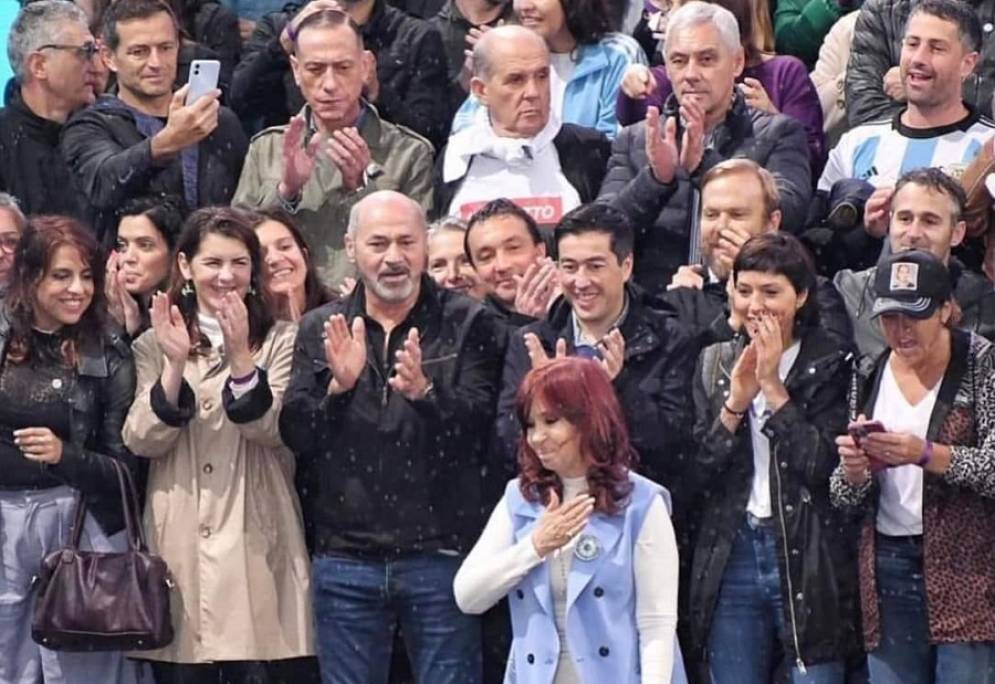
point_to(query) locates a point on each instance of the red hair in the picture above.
(578, 390)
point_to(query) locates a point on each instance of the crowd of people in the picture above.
(469, 341)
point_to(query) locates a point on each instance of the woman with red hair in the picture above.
(581, 545)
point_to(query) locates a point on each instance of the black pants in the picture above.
(290, 671)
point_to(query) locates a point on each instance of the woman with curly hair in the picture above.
(582, 546)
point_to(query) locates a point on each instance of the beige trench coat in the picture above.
(222, 511)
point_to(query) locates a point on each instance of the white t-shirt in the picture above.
(562, 69)
(900, 506)
(759, 504)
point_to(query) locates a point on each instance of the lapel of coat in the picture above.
(607, 530)
(540, 586)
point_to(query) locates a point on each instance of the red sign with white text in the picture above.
(543, 210)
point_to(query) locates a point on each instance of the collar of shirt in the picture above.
(582, 340)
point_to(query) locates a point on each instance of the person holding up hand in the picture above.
(771, 571)
(222, 510)
(147, 139)
(924, 484)
(337, 149)
(389, 409)
(581, 545)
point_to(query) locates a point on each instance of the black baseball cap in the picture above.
(913, 283)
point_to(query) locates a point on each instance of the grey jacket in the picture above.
(404, 159)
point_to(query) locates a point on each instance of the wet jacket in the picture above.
(973, 292)
(652, 387)
(101, 397)
(662, 212)
(877, 47)
(583, 154)
(404, 160)
(32, 167)
(818, 575)
(112, 161)
(388, 476)
(411, 68)
(958, 507)
(216, 27)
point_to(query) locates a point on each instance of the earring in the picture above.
(252, 290)
(187, 290)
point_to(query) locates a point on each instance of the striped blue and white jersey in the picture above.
(880, 152)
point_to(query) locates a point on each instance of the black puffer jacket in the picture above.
(877, 47)
(101, 398)
(661, 212)
(411, 68)
(214, 26)
(32, 168)
(112, 161)
(816, 549)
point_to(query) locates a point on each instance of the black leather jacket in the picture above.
(816, 546)
(101, 398)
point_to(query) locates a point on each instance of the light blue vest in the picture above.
(601, 599)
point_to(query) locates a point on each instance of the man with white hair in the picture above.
(12, 223)
(657, 164)
(390, 400)
(515, 148)
(53, 56)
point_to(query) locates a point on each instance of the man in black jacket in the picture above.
(391, 397)
(645, 350)
(147, 139)
(739, 200)
(656, 165)
(408, 87)
(53, 56)
(514, 147)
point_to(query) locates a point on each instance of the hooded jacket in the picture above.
(112, 161)
(663, 213)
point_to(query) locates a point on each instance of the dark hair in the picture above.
(598, 217)
(937, 180)
(332, 18)
(130, 10)
(229, 223)
(315, 291)
(743, 11)
(42, 236)
(495, 209)
(960, 13)
(578, 390)
(165, 212)
(782, 254)
(587, 20)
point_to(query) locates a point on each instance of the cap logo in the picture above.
(904, 276)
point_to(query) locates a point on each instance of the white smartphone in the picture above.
(203, 78)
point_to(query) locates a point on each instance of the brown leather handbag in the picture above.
(93, 601)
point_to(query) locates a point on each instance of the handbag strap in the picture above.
(129, 504)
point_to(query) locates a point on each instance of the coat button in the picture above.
(208, 468)
(603, 651)
(205, 531)
(598, 592)
(519, 593)
(530, 658)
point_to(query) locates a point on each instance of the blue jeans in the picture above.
(358, 602)
(905, 655)
(749, 617)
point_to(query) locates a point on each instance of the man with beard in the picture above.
(147, 139)
(739, 200)
(54, 58)
(390, 401)
(935, 128)
(337, 149)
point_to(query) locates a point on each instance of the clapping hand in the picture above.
(409, 379)
(345, 352)
(170, 329)
(537, 355)
(536, 288)
(120, 304)
(233, 318)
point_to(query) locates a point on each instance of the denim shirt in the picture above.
(601, 599)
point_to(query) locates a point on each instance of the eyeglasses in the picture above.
(8, 243)
(86, 51)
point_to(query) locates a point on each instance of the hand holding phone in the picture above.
(861, 429)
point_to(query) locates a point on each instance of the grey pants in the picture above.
(33, 523)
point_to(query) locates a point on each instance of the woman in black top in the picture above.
(65, 389)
